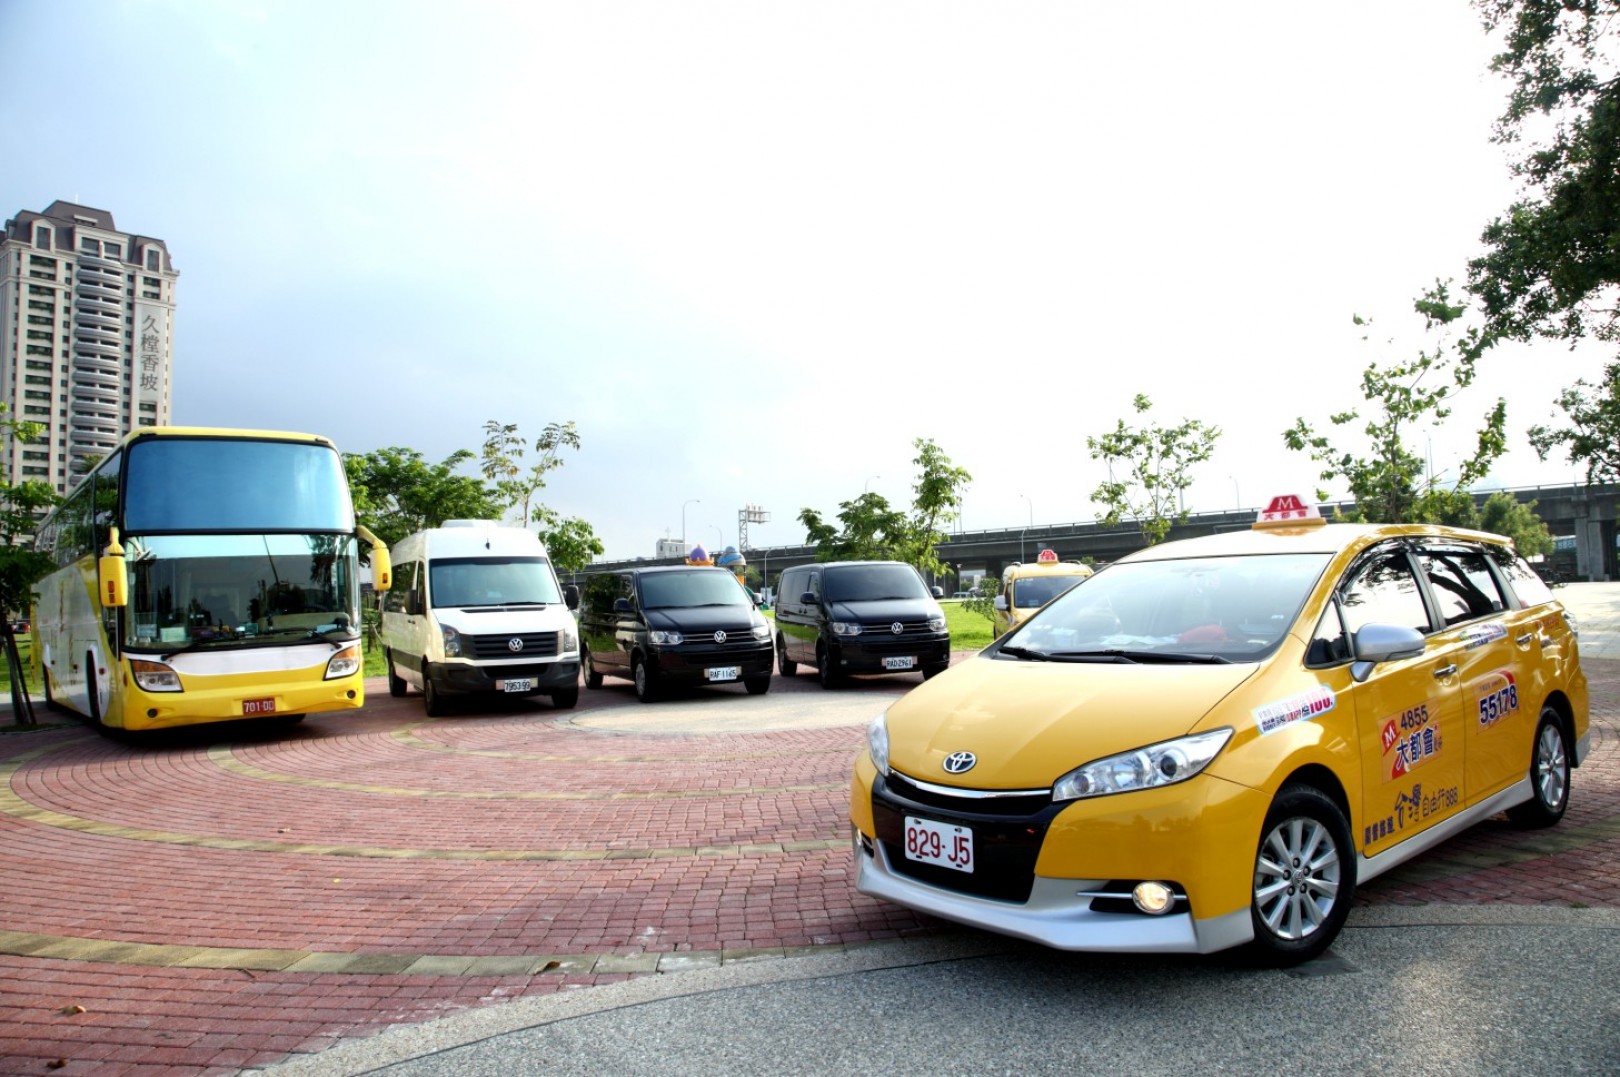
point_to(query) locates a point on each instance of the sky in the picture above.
(754, 250)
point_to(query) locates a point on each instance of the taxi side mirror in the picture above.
(1377, 643)
(1001, 603)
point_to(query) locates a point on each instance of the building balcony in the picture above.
(92, 286)
(82, 346)
(99, 319)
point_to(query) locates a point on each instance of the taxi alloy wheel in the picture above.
(1549, 775)
(1304, 877)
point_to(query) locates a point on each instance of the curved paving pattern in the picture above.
(216, 902)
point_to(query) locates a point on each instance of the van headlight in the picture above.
(343, 664)
(1145, 768)
(761, 631)
(936, 624)
(452, 643)
(877, 742)
(570, 639)
(661, 638)
(846, 628)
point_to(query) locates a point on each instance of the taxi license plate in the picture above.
(723, 673)
(518, 684)
(904, 661)
(940, 844)
(258, 706)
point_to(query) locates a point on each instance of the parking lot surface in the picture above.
(218, 902)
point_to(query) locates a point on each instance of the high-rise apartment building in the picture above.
(86, 324)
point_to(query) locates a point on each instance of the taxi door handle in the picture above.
(1445, 671)
(1524, 640)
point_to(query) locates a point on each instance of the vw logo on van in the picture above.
(719, 637)
(960, 762)
(897, 628)
(515, 643)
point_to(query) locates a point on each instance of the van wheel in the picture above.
(786, 666)
(1549, 776)
(758, 686)
(433, 700)
(396, 683)
(593, 678)
(646, 686)
(565, 698)
(826, 669)
(1304, 877)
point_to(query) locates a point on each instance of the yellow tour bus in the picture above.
(205, 575)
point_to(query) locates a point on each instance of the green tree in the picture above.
(1591, 432)
(983, 599)
(869, 529)
(397, 492)
(1504, 514)
(1389, 483)
(1156, 461)
(21, 505)
(572, 542)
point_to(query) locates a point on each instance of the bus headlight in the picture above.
(345, 663)
(154, 676)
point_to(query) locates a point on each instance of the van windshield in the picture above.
(492, 581)
(701, 587)
(873, 583)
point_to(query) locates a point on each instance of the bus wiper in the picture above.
(1026, 653)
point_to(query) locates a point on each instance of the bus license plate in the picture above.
(258, 706)
(723, 673)
(518, 684)
(905, 661)
(937, 843)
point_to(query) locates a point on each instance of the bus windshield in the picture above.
(234, 484)
(233, 590)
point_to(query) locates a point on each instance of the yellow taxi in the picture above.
(1025, 588)
(1212, 742)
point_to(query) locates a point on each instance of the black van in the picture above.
(673, 624)
(858, 617)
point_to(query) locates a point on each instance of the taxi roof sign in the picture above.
(1047, 557)
(1287, 510)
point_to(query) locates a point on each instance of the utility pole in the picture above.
(749, 514)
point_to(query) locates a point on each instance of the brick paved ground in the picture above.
(210, 903)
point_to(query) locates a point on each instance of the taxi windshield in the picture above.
(1232, 608)
(1034, 591)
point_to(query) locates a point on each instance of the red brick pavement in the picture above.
(376, 869)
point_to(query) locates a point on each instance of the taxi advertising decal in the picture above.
(1497, 696)
(1480, 635)
(1409, 738)
(1411, 807)
(1285, 712)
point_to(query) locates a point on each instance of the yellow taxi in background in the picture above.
(1213, 741)
(1026, 588)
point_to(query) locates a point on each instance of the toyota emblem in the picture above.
(960, 762)
(719, 637)
(897, 628)
(515, 643)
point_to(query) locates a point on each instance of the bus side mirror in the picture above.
(110, 573)
(382, 570)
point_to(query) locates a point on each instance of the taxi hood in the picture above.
(1030, 723)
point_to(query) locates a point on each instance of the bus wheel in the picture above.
(50, 699)
(90, 688)
(396, 683)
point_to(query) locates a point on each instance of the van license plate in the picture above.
(258, 706)
(937, 843)
(518, 684)
(723, 673)
(905, 661)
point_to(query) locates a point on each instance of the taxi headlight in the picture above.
(154, 676)
(1145, 768)
(452, 643)
(344, 663)
(661, 638)
(877, 742)
(846, 628)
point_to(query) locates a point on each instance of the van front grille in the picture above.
(509, 646)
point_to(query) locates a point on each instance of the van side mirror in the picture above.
(808, 598)
(571, 596)
(621, 605)
(1375, 643)
(413, 602)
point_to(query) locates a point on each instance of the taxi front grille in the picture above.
(1012, 807)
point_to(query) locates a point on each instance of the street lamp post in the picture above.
(685, 549)
(1025, 531)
